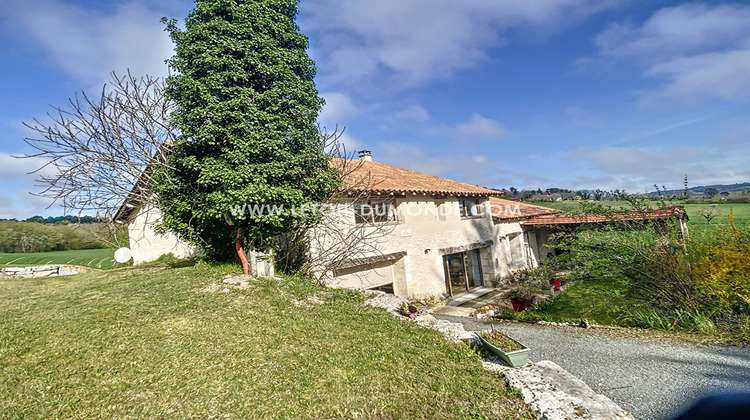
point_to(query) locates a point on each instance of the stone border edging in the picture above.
(555, 394)
(37, 271)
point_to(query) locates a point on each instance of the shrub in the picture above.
(527, 281)
(722, 267)
(699, 283)
(646, 259)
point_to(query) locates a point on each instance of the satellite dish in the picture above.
(123, 255)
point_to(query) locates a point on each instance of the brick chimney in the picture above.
(365, 155)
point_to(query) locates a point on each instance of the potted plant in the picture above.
(486, 310)
(508, 349)
(555, 283)
(518, 296)
(525, 282)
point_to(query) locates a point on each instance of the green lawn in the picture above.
(155, 342)
(740, 211)
(94, 258)
(601, 302)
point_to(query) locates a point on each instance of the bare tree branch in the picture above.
(335, 240)
(98, 152)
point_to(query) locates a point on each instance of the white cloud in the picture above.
(23, 205)
(351, 145)
(88, 44)
(15, 177)
(640, 169)
(724, 75)
(606, 183)
(337, 109)
(480, 127)
(472, 169)
(413, 113)
(684, 29)
(408, 43)
(698, 51)
(14, 168)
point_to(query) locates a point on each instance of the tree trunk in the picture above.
(241, 252)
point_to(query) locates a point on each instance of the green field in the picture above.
(741, 211)
(156, 342)
(94, 258)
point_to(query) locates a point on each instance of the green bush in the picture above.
(524, 283)
(648, 260)
(721, 262)
(699, 283)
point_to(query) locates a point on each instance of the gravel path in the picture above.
(649, 378)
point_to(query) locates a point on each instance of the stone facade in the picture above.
(424, 232)
(439, 239)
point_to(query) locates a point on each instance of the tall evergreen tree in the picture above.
(246, 111)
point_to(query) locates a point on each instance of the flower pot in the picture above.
(514, 358)
(555, 284)
(519, 305)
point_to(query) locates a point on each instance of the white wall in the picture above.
(146, 245)
(510, 248)
(422, 232)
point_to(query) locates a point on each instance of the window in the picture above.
(375, 212)
(469, 208)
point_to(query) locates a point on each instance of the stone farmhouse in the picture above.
(426, 236)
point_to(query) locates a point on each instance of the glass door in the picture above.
(463, 271)
(454, 266)
(475, 268)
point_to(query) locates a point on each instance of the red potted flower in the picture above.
(518, 297)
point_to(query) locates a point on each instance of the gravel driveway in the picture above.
(649, 378)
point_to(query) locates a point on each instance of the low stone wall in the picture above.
(43, 271)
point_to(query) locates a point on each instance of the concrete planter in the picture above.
(514, 358)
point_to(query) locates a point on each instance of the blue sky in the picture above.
(569, 93)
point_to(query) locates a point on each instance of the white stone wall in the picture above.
(510, 248)
(146, 245)
(35, 271)
(422, 231)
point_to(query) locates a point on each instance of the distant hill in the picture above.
(720, 187)
(68, 219)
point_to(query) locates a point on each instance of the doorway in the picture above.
(463, 271)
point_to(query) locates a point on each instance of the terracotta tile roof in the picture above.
(512, 210)
(579, 219)
(382, 178)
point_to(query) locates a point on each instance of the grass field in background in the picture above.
(94, 258)
(741, 211)
(157, 342)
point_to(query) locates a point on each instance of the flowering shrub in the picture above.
(487, 309)
(722, 269)
(408, 310)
